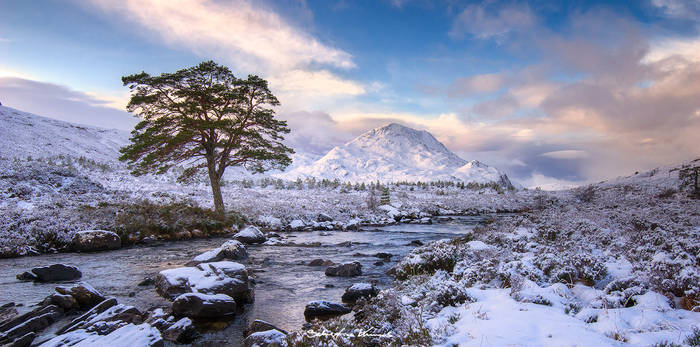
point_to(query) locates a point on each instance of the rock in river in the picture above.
(359, 290)
(324, 310)
(51, 273)
(250, 235)
(229, 250)
(268, 338)
(84, 294)
(345, 270)
(95, 240)
(222, 277)
(197, 305)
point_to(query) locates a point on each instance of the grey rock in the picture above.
(95, 240)
(359, 290)
(345, 270)
(196, 305)
(182, 331)
(322, 217)
(269, 338)
(250, 235)
(324, 310)
(259, 325)
(51, 273)
(84, 294)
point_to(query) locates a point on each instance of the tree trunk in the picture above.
(215, 183)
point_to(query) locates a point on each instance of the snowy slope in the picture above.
(24, 134)
(396, 153)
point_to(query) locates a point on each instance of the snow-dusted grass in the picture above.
(46, 200)
(607, 265)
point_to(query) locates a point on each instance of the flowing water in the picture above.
(283, 283)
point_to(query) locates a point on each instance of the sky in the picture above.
(551, 92)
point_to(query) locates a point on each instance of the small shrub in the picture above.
(694, 338)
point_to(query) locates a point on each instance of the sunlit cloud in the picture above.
(249, 37)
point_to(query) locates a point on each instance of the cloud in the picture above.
(237, 31)
(477, 84)
(251, 38)
(566, 154)
(61, 102)
(683, 9)
(486, 21)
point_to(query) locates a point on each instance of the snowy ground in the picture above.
(46, 200)
(611, 265)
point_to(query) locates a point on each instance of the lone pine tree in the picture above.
(204, 118)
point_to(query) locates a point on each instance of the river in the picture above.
(283, 283)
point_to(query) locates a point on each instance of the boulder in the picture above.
(182, 331)
(297, 225)
(66, 302)
(8, 311)
(261, 325)
(197, 305)
(95, 240)
(359, 290)
(49, 312)
(84, 294)
(142, 335)
(105, 319)
(250, 235)
(223, 277)
(324, 310)
(345, 270)
(268, 338)
(51, 273)
(32, 325)
(321, 262)
(322, 217)
(383, 255)
(23, 341)
(229, 250)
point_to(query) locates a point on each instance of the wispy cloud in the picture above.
(491, 19)
(240, 31)
(249, 37)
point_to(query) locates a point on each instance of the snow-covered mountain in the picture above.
(397, 153)
(25, 134)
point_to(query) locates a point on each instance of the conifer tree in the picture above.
(205, 119)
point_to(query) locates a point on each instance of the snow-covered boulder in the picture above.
(324, 309)
(353, 224)
(259, 325)
(95, 240)
(297, 225)
(359, 290)
(250, 235)
(142, 335)
(223, 277)
(391, 211)
(345, 270)
(266, 338)
(51, 273)
(198, 305)
(270, 222)
(229, 250)
(322, 217)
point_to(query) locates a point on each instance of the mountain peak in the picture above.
(392, 153)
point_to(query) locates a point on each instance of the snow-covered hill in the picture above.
(395, 153)
(24, 134)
